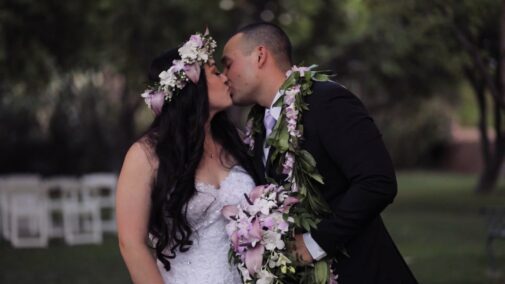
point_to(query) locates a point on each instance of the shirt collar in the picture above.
(275, 111)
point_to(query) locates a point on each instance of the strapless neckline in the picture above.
(201, 184)
(208, 255)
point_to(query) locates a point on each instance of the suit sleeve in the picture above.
(353, 142)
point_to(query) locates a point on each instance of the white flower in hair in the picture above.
(202, 55)
(145, 95)
(168, 78)
(178, 65)
(189, 51)
(195, 52)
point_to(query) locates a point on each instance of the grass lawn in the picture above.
(435, 222)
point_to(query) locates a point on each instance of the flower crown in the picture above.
(194, 53)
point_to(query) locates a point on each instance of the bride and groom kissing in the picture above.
(294, 198)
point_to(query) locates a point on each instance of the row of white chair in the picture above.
(33, 209)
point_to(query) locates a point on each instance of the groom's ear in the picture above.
(262, 56)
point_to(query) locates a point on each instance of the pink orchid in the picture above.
(287, 166)
(289, 201)
(197, 39)
(269, 222)
(255, 231)
(254, 258)
(177, 66)
(234, 241)
(229, 211)
(154, 100)
(283, 225)
(300, 69)
(290, 98)
(257, 192)
(193, 72)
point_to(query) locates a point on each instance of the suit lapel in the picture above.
(259, 139)
(267, 169)
(271, 170)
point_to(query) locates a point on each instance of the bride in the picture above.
(176, 178)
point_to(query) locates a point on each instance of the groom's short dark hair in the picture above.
(273, 37)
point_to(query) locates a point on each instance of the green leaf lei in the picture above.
(298, 164)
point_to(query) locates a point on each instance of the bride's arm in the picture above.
(132, 213)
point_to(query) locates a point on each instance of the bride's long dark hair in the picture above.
(176, 138)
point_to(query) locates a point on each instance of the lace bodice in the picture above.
(207, 259)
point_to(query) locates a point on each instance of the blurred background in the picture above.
(431, 73)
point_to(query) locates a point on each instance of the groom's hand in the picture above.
(301, 252)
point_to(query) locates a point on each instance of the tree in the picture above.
(479, 28)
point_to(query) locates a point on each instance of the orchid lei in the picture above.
(194, 53)
(261, 228)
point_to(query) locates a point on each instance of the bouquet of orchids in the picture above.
(258, 230)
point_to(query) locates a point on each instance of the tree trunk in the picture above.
(489, 177)
(485, 183)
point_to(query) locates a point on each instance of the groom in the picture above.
(359, 179)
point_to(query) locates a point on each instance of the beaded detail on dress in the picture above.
(206, 261)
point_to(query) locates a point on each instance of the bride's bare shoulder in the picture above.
(142, 153)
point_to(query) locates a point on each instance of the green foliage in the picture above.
(417, 134)
(391, 54)
(321, 272)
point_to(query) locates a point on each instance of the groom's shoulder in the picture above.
(328, 86)
(330, 91)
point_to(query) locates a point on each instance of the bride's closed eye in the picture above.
(216, 71)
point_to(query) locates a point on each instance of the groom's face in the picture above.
(241, 70)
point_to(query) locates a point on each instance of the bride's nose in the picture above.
(224, 78)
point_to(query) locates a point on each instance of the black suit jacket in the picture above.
(359, 182)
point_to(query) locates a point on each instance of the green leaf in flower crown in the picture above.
(321, 272)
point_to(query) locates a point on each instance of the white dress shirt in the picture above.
(314, 249)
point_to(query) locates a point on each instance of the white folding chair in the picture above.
(102, 186)
(81, 217)
(4, 210)
(58, 190)
(27, 222)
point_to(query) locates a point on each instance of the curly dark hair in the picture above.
(176, 137)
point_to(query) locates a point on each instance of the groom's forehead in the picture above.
(234, 47)
(236, 43)
(230, 48)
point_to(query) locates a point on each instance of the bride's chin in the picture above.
(230, 104)
(224, 107)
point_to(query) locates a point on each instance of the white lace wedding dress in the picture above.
(207, 259)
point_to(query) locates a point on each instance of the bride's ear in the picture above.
(262, 55)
